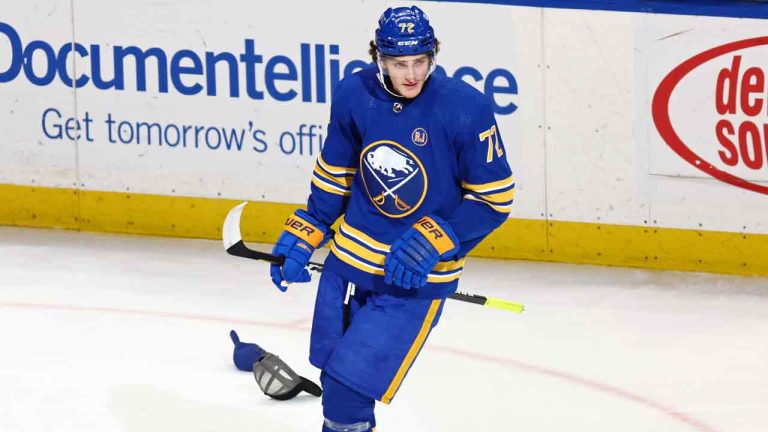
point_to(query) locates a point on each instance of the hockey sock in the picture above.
(344, 409)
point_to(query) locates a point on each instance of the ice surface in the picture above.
(120, 333)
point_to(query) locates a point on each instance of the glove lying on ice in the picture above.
(274, 377)
(417, 251)
(301, 236)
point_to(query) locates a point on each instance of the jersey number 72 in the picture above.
(493, 141)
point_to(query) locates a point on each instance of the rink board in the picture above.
(631, 135)
(529, 239)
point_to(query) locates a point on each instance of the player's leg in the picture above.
(328, 322)
(378, 349)
(344, 409)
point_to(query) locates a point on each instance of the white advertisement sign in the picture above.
(232, 100)
(607, 117)
(707, 101)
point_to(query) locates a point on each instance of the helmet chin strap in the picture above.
(383, 82)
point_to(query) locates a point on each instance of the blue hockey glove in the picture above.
(417, 251)
(301, 236)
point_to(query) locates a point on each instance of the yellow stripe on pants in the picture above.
(413, 352)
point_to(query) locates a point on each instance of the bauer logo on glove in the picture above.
(304, 230)
(301, 236)
(435, 234)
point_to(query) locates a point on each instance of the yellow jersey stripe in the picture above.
(446, 266)
(378, 258)
(485, 187)
(345, 181)
(363, 238)
(357, 249)
(499, 208)
(498, 198)
(349, 259)
(413, 352)
(330, 189)
(331, 184)
(363, 266)
(443, 278)
(337, 170)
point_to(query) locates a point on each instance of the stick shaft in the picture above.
(241, 250)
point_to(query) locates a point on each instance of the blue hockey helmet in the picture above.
(404, 31)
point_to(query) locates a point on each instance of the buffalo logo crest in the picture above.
(394, 178)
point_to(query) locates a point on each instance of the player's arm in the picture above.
(331, 187)
(336, 165)
(487, 184)
(487, 189)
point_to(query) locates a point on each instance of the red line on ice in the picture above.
(301, 325)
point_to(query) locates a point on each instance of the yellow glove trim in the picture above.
(434, 234)
(304, 230)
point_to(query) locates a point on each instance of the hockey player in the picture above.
(414, 170)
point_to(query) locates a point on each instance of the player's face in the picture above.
(407, 73)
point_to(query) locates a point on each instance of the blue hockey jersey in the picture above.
(387, 162)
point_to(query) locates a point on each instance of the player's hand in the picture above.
(417, 251)
(302, 235)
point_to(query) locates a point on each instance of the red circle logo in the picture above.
(660, 111)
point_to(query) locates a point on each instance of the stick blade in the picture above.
(231, 230)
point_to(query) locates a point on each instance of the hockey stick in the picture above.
(234, 245)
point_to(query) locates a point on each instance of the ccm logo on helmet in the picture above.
(407, 43)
